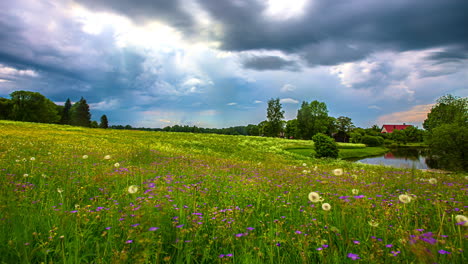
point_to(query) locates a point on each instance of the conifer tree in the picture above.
(104, 122)
(65, 119)
(80, 115)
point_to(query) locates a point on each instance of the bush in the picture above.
(449, 144)
(325, 146)
(372, 141)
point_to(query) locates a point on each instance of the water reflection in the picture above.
(402, 158)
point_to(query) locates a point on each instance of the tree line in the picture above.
(29, 106)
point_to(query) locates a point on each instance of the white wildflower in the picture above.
(85, 156)
(355, 191)
(32, 159)
(315, 197)
(373, 223)
(404, 198)
(432, 180)
(106, 157)
(59, 190)
(326, 206)
(461, 220)
(338, 172)
(132, 189)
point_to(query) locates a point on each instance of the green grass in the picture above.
(346, 150)
(362, 152)
(212, 199)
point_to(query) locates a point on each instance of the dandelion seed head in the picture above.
(355, 191)
(338, 172)
(117, 165)
(107, 157)
(326, 206)
(461, 220)
(85, 156)
(373, 223)
(432, 180)
(314, 197)
(404, 198)
(132, 189)
(32, 159)
(59, 190)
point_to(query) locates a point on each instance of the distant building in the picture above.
(390, 128)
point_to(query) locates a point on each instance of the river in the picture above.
(402, 158)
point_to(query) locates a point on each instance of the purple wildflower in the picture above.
(153, 228)
(389, 245)
(353, 256)
(443, 252)
(250, 228)
(129, 241)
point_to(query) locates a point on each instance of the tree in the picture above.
(274, 116)
(325, 146)
(104, 122)
(65, 119)
(5, 108)
(447, 130)
(313, 118)
(33, 107)
(292, 130)
(80, 115)
(344, 125)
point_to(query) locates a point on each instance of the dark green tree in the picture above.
(274, 116)
(312, 119)
(291, 130)
(447, 130)
(449, 109)
(65, 119)
(33, 107)
(325, 146)
(79, 114)
(5, 108)
(104, 122)
(344, 126)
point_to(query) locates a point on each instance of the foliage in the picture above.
(212, 199)
(450, 143)
(449, 109)
(65, 119)
(372, 141)
(32, 107)
(292, 129)
(274, 117)
(312, 118)
(5, 108)
(325, 146)
(344, 126)
(80, 115)
(447, 126)
(104, 122)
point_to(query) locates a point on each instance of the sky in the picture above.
(216, 63)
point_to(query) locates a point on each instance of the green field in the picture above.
(78, 195)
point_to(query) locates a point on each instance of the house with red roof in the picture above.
(390, 128)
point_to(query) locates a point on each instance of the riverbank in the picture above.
(346, 151)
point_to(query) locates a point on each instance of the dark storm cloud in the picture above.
(345, 30)
(263, 63)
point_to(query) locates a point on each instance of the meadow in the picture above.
(78, 195)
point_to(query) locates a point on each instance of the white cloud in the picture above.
(232, 103)
(108, 104)
(288, 88)
(288, 101)
(6, 71)
(257, 102)
(374, 107)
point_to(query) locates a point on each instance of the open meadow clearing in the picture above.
(79, 195)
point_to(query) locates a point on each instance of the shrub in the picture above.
(372, 141)
(325, 146)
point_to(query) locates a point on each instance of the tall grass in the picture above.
(191, 198)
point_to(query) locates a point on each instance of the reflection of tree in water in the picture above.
(404, 153)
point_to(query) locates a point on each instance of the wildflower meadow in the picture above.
(79, 195)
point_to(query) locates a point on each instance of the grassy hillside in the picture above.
(77, 195)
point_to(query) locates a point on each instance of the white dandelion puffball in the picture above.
(25, 175)
(462, 220)
(32, 158)
(355, 191)
(59, 190)
(132, 189)
(326, 206)
(315, 197)
(432, 180)
(106, 157)
(85, 156)
(338, 172)
(404, 198)
(117, 165)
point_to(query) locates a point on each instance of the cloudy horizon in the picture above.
(215, 63)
